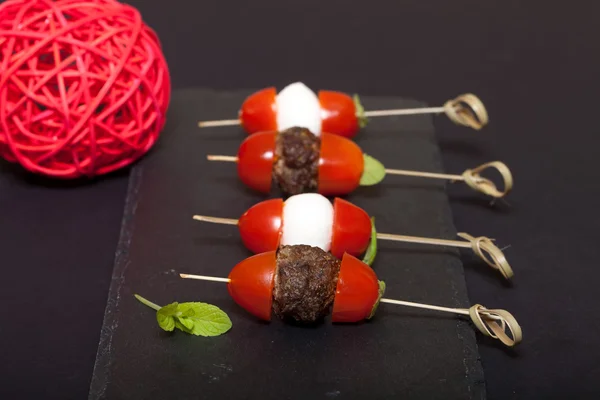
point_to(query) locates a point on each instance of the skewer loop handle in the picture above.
(467, 110)
(485, 249)
(496, 323)
(476, 182)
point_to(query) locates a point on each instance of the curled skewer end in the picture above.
(497, 324)
(485, 249)
(473, 178)
(467, 110)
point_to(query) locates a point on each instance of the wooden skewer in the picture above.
(423, 240)
(466, 110)
(432, 175)
(490, 322)
(472, 177)
(205, 278)
(482, 246)
(222, 122)
(405, 111)
(216, 220)
(212, 157)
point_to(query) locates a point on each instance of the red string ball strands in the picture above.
(84, 86)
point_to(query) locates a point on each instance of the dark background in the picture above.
(534, 64)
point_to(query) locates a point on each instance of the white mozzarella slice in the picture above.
(307, 219)
(298, 106)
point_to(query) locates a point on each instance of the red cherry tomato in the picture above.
(260, 226)
(258, 112)
(255, 160)
(351, 229)
(251, 284)
(338, 113)
(356, 292)
(340, 165)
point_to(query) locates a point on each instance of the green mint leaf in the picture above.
(182, 327)
(381, 292)
(372, 249)
(360, 112)
(166, 323)
(204, 319)
(373, 171)
(187, 311)
(186, 322)
(200, 319)
(166, 317)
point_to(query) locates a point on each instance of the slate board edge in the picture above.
(464, 327)
(101, 372)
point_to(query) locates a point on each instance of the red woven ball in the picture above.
(84, 86)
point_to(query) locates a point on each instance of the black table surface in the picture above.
(535, 66)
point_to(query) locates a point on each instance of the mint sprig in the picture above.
(200, 319)
(372, 249)
(373, 171)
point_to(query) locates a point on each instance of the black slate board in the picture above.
(401, 353)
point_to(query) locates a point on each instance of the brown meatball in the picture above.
(305, 283)
(296, 165)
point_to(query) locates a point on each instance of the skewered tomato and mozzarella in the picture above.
(309, 219)
(297, 105)
(343, 227)
(304, 284)
(300, 162)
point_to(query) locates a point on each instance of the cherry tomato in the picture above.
(251, 284)
(260, 226)
(338, 113)
(340, 165)
(255, 160)
(258, 112)
(357, 291)
(351, 229)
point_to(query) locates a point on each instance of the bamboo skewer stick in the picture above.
(423, 240)
(420, 174)
(405, 111)
(216, 220)
(222, 122)
(222, 158)
(491, 322)
(467, 110)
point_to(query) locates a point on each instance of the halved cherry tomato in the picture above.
(251, 284)
(255, 160)
(357, 291)
(260, 226)
(341, 165)
(351, 229)
(258, 112)
(338, 113)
